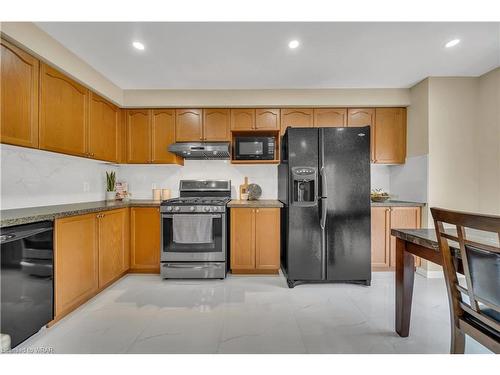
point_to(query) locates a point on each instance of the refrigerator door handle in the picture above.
(324, 183)
(322, 222)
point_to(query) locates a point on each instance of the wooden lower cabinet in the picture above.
(255, 240)
(145, 239)
(113, 231)
(403, 218)
(76, 262)
(383, 244)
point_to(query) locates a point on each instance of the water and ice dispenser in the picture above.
(304, 186)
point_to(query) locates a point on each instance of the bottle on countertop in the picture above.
(244, 190)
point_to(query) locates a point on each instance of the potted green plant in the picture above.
(110, 186)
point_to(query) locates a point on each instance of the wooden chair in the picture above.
(475, 307)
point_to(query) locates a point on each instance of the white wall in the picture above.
(37, 178)
(142, 177)
(267, 98)
(453, 148)
(489, 142)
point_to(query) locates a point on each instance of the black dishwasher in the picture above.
(27, 282)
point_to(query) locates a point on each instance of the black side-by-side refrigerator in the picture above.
(324, 183)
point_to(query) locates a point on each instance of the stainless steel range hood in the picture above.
(201, 150)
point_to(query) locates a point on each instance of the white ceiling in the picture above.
(256, 55)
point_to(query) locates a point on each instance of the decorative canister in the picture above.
(165, 194)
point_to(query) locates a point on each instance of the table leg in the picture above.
(405, 275)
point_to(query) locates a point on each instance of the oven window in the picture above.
(251, 148)
(169, 245)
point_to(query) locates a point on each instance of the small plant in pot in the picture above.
(110, 186)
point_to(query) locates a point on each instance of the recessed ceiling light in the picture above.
(452, 43)
(138, 45)
(293, 44)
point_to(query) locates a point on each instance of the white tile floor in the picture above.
(251, 314)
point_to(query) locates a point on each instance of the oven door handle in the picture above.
(171, 265)
(170, 216)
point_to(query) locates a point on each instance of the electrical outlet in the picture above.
(86, 187)
(153, 186)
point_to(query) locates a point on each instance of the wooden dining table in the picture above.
(422, 243)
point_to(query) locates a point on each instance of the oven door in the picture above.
(214, 250)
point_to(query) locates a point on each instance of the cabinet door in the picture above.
(76, 260)
(267, 119)
(138, 136)
(145, 239)
(390, 135)
(267, 238)
(380, 223)
(330, 117)
(104, 127)
(163, 135)
(63, 113)
(242, 238)
(402, 218)
(357, 117)
(188, 125)
(19, 84)
(113, 244)
(243, 119)
(298, 117)
(216, 124)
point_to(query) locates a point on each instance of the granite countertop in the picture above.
(427, 237)
(261, 203)
(34, 214)
(396, 203)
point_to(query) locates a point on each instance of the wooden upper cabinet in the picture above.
(145, 239)
(330, 117)
(243, 119)
(361, 117)
(267, 119)
(113, 236)
(138, 136)
(104, 128)
(216, 124)
(380, 246)
(390, 135)
(63, 113)
(76, 261)
(358, 117)
(188, 125)
(163, 135)
(267, 238)
(19, 87)
(296, 117)
(242, 238)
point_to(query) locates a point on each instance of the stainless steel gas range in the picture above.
(194, 231)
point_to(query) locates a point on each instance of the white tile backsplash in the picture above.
(409, 181)
(35, 178)
(380, 177)
(143, 178)
(32, 177)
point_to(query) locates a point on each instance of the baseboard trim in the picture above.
(430, 274)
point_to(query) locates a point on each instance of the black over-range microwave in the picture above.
(254, 148)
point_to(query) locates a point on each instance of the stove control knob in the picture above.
(176, 208)
(191, 208)
(169, 208)
(206, 209)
